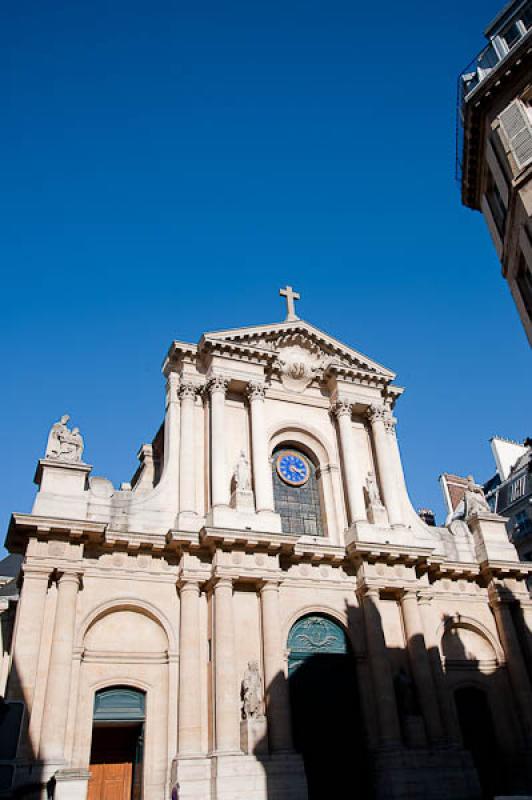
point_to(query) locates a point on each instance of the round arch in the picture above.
(471, 624)
(304, 436)
(126, 604)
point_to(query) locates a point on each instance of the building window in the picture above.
(524, 284)
(522, 525)
(496, 204)
(297, 499)
(517, 488)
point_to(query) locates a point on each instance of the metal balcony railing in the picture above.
(502, 44)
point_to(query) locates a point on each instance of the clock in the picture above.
(292, 468)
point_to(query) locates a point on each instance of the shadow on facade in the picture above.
(369, 736)
(360, 722)
(21, 772)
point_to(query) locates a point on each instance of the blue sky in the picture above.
(167, 166)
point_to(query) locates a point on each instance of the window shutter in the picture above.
(518, 129)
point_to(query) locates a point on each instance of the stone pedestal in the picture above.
(63, 484)
(71, 784)
(243, 777)
(254, 736)
(490, 538)
(243, 501)
(377, 515)
(190, 778)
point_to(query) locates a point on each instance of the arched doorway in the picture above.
(117, 744)
(479, 737)
(326, 717)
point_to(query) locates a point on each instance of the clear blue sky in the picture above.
(166, 166)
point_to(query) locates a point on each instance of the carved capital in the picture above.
(341, 408)
(389, 423)
(255, 390)
(217, 384)
(187, 390)
(376, 413)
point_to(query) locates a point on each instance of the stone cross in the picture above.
(290, 295)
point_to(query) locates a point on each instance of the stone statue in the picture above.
(372, 489)
(64, 444)
(251, 692)
(242, 474)
(474, 500)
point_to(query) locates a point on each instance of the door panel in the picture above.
(111, 767)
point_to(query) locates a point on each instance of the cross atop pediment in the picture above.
(291, 297)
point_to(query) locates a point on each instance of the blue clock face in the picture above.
(292, 468)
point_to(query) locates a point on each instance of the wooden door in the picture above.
(112, 759)
(110, 781)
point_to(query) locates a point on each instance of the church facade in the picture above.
(260, 614)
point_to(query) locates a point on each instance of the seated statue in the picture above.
(64, 444)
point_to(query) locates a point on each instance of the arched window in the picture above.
(296, 492)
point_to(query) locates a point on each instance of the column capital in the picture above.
(269, 586)
(389, 422)
(188, 585)
(255, 390)
(222, 582)
(36, 571)
(342, 408)
(376, 413)
(425, 598)
(68, 576)
(370, 592)
(217, 383)
(188, 390)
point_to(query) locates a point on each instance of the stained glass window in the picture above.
(299, 506)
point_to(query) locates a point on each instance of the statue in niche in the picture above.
(242, 474)
(251, 692)
(372, 490)
(474, 500)
(64, 444)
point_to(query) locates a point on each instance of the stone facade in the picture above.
(495, 146)
(183, 589)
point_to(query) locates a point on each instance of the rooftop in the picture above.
(510, 27)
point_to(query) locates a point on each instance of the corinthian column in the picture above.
(187, 499)
(227, 702)
(275, 683)
(56, 702)
(353, 478)
(382, 426)
(220, 482)
(262, 475)
(189, 724)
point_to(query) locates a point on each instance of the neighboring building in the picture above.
(495, 145)
(508, 491)
(260, 614)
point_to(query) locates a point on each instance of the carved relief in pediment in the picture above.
(298, 366)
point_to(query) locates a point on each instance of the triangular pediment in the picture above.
(273, 338)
